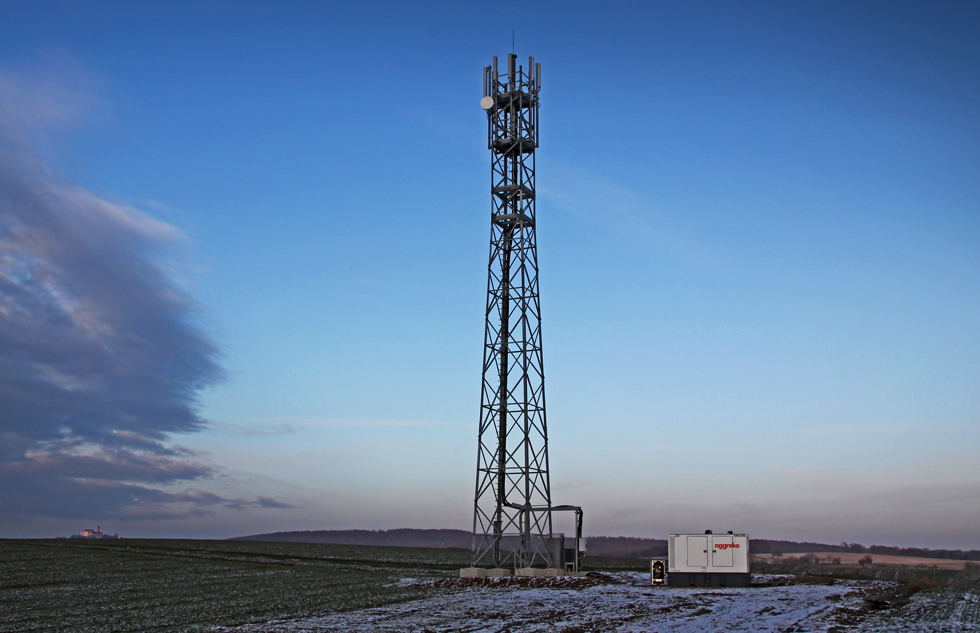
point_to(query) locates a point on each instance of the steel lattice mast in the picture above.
(512, 510)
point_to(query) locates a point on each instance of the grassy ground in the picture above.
(166, 585)
(876, 571)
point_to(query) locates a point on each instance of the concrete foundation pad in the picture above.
(529, 572)
(472, 572)
(550, 573)
(498, 573)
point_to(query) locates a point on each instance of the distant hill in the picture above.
(626, 547)
(622, 546)
(403, 537)
(597, 545)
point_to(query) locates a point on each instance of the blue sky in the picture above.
(758, 231)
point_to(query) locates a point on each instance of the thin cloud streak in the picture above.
(601, 202)
(297, 424)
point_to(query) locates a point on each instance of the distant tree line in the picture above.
(951, 554)
(760, 546)
(619, 546)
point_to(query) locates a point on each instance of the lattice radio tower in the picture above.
(512, 511)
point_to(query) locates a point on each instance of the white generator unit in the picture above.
(708, 560)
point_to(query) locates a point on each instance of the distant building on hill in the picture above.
(96, 533)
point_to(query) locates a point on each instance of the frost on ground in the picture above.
(624, 602)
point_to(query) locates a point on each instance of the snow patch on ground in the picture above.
(628, 604)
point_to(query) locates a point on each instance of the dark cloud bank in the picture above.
(100, 355)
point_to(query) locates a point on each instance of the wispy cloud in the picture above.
(261, 502)
(272, 426)
(572, 484)
(45, 96)
(848, 430)
(611, 206)
(101, 354)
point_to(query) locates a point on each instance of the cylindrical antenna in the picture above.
(494, 86)
(511, 63)
(538, 73)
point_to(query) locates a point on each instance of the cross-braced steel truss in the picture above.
(512, 510)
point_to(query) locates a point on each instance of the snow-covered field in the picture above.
(626, 603)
